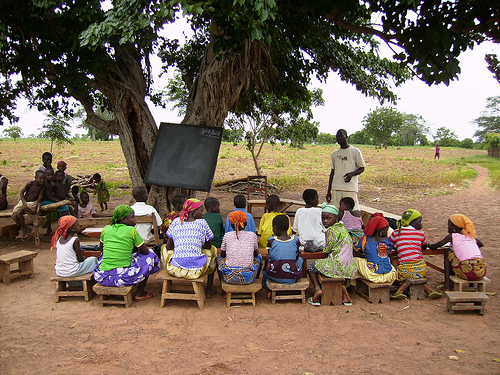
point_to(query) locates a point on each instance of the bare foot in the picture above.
(317, 295)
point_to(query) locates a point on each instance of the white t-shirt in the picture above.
(308, 225)
(66, 262)
(345, 160)
(144, 229)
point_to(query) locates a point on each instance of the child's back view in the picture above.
(307, 223)
(351, 219)
(240, 203)
(266, 222)
(141, 208)
(214, 220)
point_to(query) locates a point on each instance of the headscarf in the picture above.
(62, 163)
(407, 217)
(465, 224)
(190, 204)
(330, 208)
(238, 219)
(120, 212)
(375, 223)
(65, 223)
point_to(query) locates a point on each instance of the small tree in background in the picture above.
(55, 129)
(382, 123)
(489, 121)
(493, 142)
(446, 138)
(13, 132)
(325, 139)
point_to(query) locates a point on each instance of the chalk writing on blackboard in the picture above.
(206, 132)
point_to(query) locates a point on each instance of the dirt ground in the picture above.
(416, 337)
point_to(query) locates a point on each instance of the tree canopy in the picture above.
(489, 121)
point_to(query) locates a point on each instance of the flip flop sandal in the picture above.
(147, 296)
(346, 303)
(311, 302)
(435, 295)
(398, 296)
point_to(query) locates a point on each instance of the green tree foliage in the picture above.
(446, 138)
(298, 132)
(412, 132)
(467, 143)
(13, 132)
(56, 129)
(233, 135)
(489, 121)
(382, 123)
(361, 137)
(325, 139)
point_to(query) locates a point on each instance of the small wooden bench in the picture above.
(332, 290)
(241, 293)
(416, 288)
(115, 295)
(24, 260)
(288, 291)
(373, 292)
(85, 291)
(461, 285)
(181, 290)
(468, 301)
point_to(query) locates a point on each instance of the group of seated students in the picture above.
(51, 186)
(192, 238)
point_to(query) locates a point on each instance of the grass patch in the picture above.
(288, 182)
(485, 161)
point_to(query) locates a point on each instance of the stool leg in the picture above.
(200, 293)
(273, 297)
(87, 290)
(164, 290)
(128, 299)
(5, 273)
(228, 300)
(58, 289)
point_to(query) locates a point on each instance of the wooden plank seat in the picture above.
(24, 261)
(85, 291)
(241, 293)
(465, 301)
(288, 291)
(373, 292)
(181, 289)
(416, 288)
(332, 290)
(115, 295)
(461, 285)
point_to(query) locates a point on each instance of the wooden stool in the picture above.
(62, 290)
(24, 259)
(373, 292)
(332, 290)
(465, 301)
(461, 285)
(180, 290)
(416, 288)
(241, 293)
(287, 290)
(111, 295)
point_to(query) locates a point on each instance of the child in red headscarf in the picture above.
(70, 261)
(240, 260)
(375, 245)
(466, 258)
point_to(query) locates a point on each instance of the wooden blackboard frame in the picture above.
(184, 156)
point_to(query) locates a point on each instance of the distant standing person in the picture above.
(436, 155)
(347, 164)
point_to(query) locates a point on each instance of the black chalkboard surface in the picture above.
(184, 156)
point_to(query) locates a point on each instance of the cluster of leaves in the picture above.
(489, 121)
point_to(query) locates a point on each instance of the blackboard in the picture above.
(184, 156)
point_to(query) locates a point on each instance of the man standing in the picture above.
(347, 164)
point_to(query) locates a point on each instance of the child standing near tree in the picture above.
(266, 222)
(101, 190)
(214, 220)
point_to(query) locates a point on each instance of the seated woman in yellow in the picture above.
(189, 253)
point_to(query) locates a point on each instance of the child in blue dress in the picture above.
(284, 264)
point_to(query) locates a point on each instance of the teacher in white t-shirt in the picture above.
(347, 164)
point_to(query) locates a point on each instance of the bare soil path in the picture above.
(38, 335)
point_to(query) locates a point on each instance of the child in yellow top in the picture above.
(266, 223)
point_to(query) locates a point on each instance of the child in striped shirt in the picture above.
(409, 241)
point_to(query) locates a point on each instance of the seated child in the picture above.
(409, 241)
(86, 208)
(46, 162)
(75, 200)
(351, 219)
(54, 192)
(68, 180)
(141, 208)
(31, 197)
(375, 246)
(214, 220)
(101, 190)
(266, 222)
(466, 258)
(177, 203)
(240, 203)
(284, 264)
(70, 261)
(339, 262)
(189, 253)
(307, 223)
(240, 261)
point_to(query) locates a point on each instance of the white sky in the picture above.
(453, 106)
